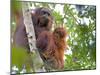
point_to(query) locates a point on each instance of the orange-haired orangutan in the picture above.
(42, 21)
(51, 46)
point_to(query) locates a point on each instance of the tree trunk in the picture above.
(37, 61)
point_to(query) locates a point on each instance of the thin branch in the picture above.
(72, 15)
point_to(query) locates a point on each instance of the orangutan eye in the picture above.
(46, 13)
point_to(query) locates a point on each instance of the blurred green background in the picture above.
(80, 22)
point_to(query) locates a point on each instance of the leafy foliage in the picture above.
(21, 58)
(80, 22)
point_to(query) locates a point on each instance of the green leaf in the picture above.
(20, 57)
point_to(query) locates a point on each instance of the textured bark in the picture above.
(37, 61)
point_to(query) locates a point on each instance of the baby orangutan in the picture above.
(51, 46)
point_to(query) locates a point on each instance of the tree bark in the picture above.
(37, 61)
